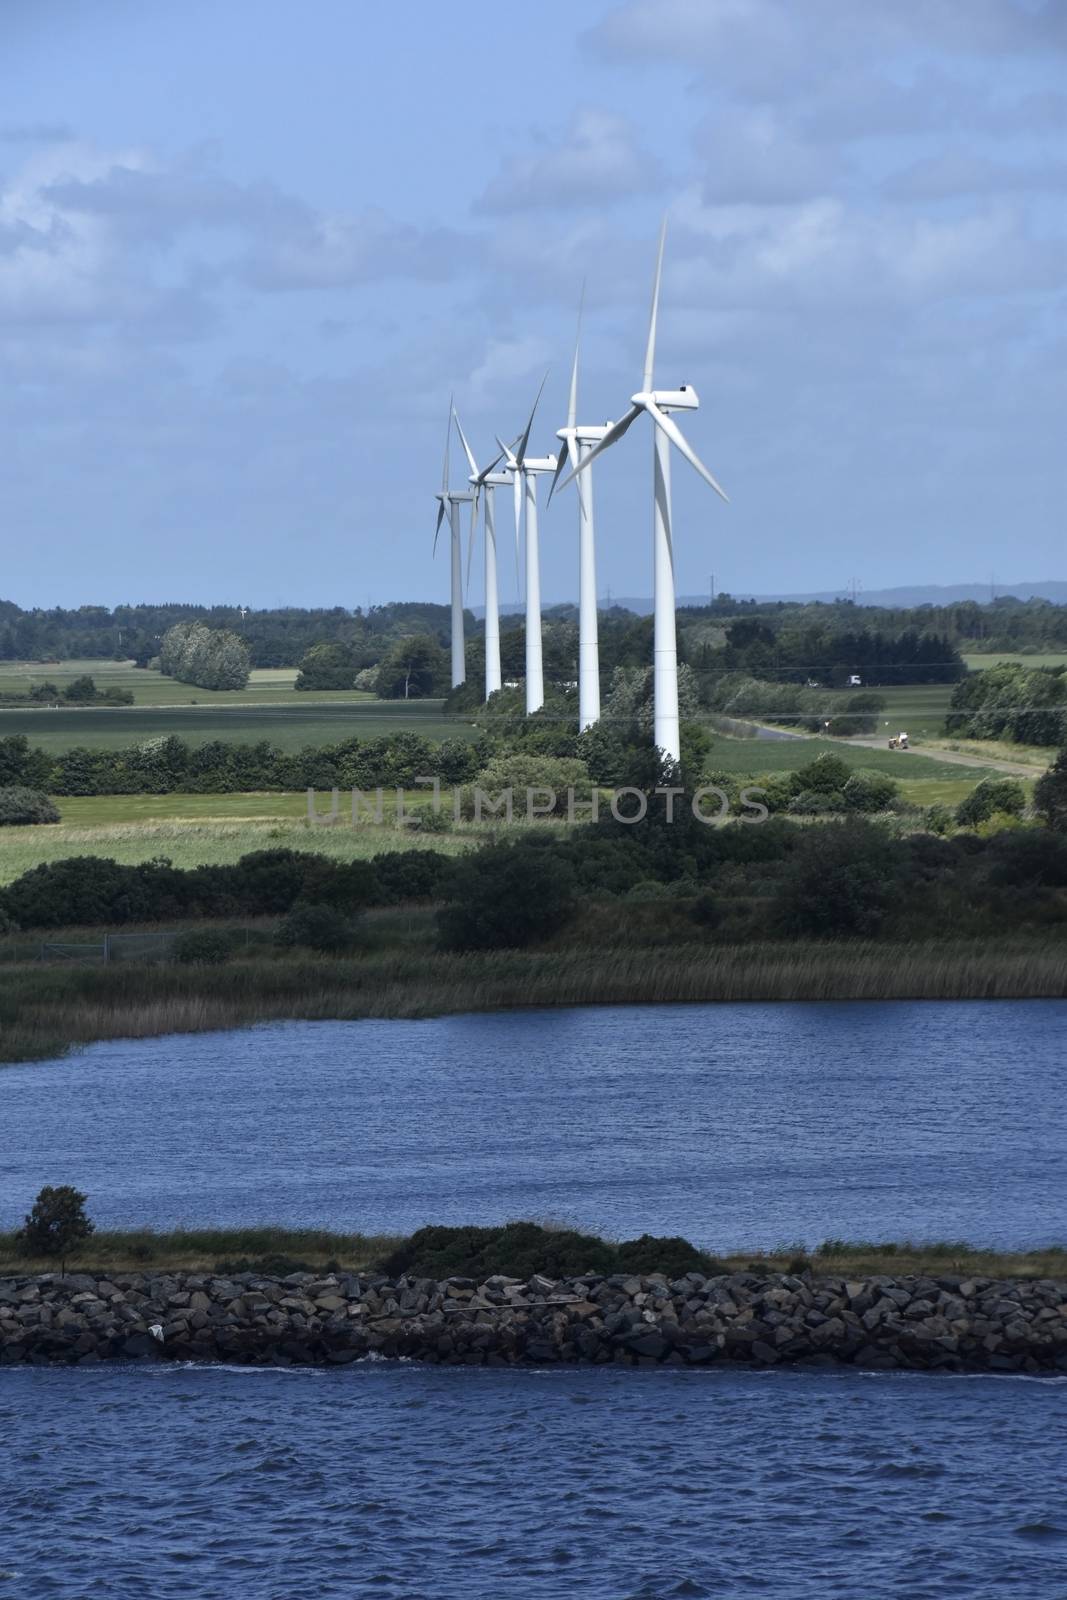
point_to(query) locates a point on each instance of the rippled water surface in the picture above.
(413, 1483)
(746, 1125)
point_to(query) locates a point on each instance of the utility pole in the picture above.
(712, 586)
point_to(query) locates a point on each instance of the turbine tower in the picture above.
(524, 470)
(490, 481)
(576, 440)
(449, 502)
(657, 404)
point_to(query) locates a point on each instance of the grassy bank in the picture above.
(284, 1249)
(44, 1010)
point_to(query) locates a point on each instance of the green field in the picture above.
(266, 684)
(1055, 658)
(785, 755)
(291, 725)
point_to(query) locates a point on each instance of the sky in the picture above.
(247, 252)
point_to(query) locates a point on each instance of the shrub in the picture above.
(827, 774)
(521, 772)
(326, 666)
(56, 1224)
(505, 897)
(939, 819)
(520, 1249)
(19, 807)
(203, 947)
(705, 911)
(319, 927)
(992, 794)
(1050, 794)
(816, 803)
(843, 879)
(870, 791)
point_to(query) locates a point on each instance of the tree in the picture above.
(209, 658)
(81, 691)
(506, 897)
(326, 666)
(844, 878)
(413, 669)
(56, 1225)
(1050, 794)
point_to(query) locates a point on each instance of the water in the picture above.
(739, 1126)
(411, 1483)
(742, 1125)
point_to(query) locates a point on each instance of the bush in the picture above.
(521, 772)
(843, 879)
(989, 796)
(870, 791)
(319, 927)
(816, 803)
(827, 774)
(19, 807)
(203, 947)
(326, 666)
(56, 1225)
(705, 911)
(506, 897)
(1050, 794)
(520, 1249)
(939, 819)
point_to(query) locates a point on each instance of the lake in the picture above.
(739, 1126)
(410, 1483)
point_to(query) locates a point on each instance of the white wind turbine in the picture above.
(524, 470)
(490, 481)
(449, 502)
(658, 403)
(576, 441)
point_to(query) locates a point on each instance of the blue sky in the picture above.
(247, 250)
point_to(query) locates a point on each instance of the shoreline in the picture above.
(946, 1323)
(48, 1011)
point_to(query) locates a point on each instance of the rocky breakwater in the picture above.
(943, 1323)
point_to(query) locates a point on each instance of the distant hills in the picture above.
(911, 594)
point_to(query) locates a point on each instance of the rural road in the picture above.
(1015, 769)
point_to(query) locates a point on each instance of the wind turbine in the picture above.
(490, 481)
(658, 403)
(576, 441)
(524, 470)
(449, 502)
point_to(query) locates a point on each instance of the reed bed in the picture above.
(46, 1010)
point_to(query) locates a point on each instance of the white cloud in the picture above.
(964, 171)
(596, 160)
(753, 156)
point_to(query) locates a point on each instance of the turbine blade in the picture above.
(564, 451)
(448, 446)
(490, 468)
(440, 519)
(472, 535)
(678, 439)
(463, 440)
(521, 452)
(650, 348)
(572, 403)
(613, 435)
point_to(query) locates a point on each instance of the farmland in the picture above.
(290, 723)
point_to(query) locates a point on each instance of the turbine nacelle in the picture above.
(584, 435)
(683, 399)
